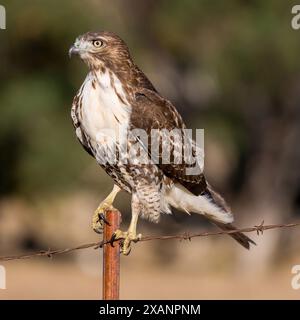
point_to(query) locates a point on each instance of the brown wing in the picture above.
(83, 139)
(151, 111)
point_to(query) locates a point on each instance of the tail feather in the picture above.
(241, 238)
(209, 204)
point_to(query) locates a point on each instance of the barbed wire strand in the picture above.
(259, 229)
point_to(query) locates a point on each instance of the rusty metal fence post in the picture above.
(111, 258)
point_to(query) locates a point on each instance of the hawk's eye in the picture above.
(97, 43)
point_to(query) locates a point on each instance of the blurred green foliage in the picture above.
(247, 48)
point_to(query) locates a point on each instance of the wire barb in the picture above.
(259, 229)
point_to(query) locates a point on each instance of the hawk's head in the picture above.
(98, 48)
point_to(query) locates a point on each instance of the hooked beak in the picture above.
(73, 50)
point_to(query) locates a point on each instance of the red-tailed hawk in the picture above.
(115, 98)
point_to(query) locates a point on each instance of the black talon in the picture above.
(102, 217)
(98, 230)
(128, 253)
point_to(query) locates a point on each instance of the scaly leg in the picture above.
(130, 235)
(106, 204)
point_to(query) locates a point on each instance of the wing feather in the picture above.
(151, 111)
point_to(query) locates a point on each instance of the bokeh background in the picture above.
(231, 67)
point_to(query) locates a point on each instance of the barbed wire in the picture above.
(259, 229)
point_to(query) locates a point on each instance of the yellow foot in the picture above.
(127, 237)
(98, 219)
